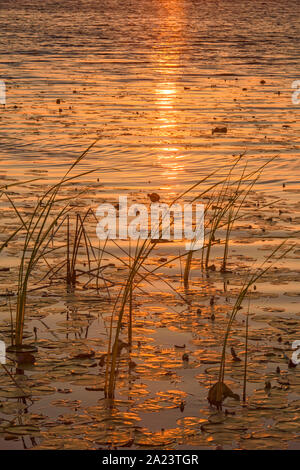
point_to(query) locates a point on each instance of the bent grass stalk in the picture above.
(243, 292)
(141, 255)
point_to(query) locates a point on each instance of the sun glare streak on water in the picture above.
(150, 79)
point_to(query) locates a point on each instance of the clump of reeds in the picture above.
(228, 201)
(44, 218)
(223, 209)
(77, 238)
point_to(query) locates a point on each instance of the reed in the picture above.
(246, 359)
(241, 296)
(226, 248)
(229, 205)
(5, 187)
(77, 238)
(191, 253)
(130, 306)
(142, 253)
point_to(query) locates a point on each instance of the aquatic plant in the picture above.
(38, 228)
(246, 357)
(250, 280)
(223, 210)
(134, 278)
(71, 268)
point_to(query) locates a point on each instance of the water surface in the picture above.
(153, 78)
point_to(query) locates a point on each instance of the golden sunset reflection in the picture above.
(167, 89)
(149, 246)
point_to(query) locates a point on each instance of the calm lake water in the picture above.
(153, 78)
